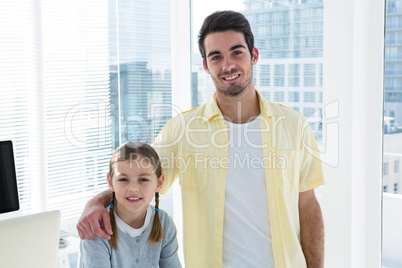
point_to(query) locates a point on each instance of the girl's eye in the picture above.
(144, 180)
(123, 179)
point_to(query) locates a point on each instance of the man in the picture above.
(247, 167)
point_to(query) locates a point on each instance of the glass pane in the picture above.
(140, 68)
(392, 179)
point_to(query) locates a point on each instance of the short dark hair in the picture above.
(221, 21)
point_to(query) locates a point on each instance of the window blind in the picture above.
(18, 64)
(55, 102)
(76, 102)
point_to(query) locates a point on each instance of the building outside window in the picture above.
(293, 96)
(309, 75)
(294, 75)
(140, 68)
(279, 75)
(279, 96)
(265, 75)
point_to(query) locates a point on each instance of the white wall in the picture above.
(181, 88)
(353, 77)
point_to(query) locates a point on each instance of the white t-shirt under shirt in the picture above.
(130, 230)
(246, 230)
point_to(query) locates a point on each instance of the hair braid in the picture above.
(156, 200)
(156, 234)
(114, 239)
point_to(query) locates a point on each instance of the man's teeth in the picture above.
(231, 77)
(132, 199)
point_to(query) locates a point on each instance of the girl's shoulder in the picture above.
(162, 213)
(95, 246)
(164, 217)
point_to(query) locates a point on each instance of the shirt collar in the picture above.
(265, 110)
(211, 108)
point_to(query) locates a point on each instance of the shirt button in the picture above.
(138, 240)
(137, 260)
(219, 223)
(289, 154)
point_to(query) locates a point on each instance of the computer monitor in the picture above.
(8, 180)
(29, 240)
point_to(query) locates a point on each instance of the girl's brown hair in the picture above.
(134, 151)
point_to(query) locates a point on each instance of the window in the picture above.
(321, 78)
(385, 174)
(278, 43)
(308, 112)
(391, 38)
(309, 75)
(309, 42)
(265, 75)
(391, 7)
(308, 27)
(309, 97)
(56, 102)
(293, 75)
(279, 96)
(294, 81)
(74, 86)
(385, 169)
(143, 69)
(293, 96)
(279, 72)
(308, 14)
(392, 150)
(392, 96)
(266, 94)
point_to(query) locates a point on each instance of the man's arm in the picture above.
(311, 229)
(95, 220)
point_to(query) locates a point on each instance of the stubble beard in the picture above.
(234, 90)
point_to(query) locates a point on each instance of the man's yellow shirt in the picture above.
(193, 147)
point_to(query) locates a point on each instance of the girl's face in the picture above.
(134, 183)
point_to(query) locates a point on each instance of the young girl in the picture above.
(143, 235)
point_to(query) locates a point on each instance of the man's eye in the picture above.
(215, 58)
(237, 52)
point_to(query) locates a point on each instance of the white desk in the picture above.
(73, 246)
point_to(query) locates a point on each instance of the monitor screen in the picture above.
(8, 179)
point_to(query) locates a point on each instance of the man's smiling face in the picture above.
(229, 62)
